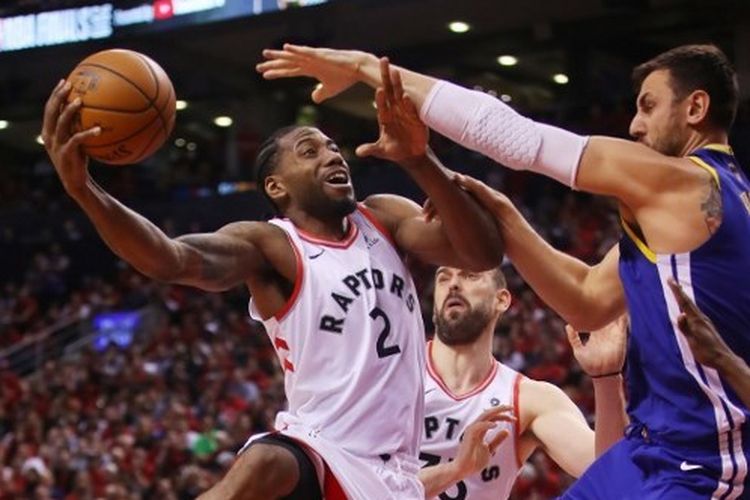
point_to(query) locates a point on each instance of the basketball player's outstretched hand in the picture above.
(478, 443)
(604, 351)
(336, 70)
(62, 145)
(707, 345)
(403, 136)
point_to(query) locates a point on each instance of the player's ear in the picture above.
(276, 188)
(698, 104)
(503, 299)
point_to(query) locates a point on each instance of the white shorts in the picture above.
(361, 478)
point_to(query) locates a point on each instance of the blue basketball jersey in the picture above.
(678, 401)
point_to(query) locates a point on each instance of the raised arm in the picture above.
(587, 297)
(465, 235)
(216, 261)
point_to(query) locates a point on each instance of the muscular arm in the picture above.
(215, 262)
(557, 424)
(464, 236)
(587, 297)
(210, 261)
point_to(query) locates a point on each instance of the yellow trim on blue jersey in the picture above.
(645, 250)
(711, 170)
(722, 148)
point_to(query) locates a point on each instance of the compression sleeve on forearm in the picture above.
(487, 125)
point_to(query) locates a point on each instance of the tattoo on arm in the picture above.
(209, 259)
(711, 207)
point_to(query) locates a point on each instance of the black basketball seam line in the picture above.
(158, 89)
(127, 137)
(151, 102)
(122, 111)
(140, 154)
(158, 115)
(131, 82)
(148, 145)
(166, 133)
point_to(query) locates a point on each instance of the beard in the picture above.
(464, 329)
(318, 204)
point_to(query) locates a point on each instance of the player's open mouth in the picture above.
(338, 178)
(455, 303)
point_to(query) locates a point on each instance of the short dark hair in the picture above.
(499, 278)
(267, 160)
(698, 67)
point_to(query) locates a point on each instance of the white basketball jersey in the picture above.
(448, 415)
(351, 343)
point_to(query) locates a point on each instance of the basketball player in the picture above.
(464, 379)
(328, 281)
(685, 207)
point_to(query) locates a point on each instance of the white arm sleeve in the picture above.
(485, 124)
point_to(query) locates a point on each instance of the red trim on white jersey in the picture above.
(517, 415)
(351, 235)
(436, 377)
(378, 225)
(297, 283)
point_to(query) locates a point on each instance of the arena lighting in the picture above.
(179, 142)
(39, 140)
(507, 60)
(506, 98)
(180, 105)
(458, 27)
(223, 121)
(560, 78)
(4, 124)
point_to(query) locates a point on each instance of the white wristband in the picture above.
(491, 127)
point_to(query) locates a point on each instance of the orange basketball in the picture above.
(130, 97)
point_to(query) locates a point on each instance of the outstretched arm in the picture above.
(602, 357)
(588, 297)
(215, 261)
(465, 235)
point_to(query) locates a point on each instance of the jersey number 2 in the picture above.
(384, 350)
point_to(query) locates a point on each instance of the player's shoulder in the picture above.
(251, 230)
(390, 207)
(537, 397)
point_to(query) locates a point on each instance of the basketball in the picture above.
(130, 97)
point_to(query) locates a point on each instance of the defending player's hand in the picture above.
(62, 145)
(475, 450)
(492, 200)
(707, 345)
(403, 136)
(604, 351)
(336, 70)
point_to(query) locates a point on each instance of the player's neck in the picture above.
(334, 229)
(699, 140)
(462, 368)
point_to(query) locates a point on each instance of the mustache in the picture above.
(454, 296)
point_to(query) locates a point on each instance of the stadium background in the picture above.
(113, 386)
